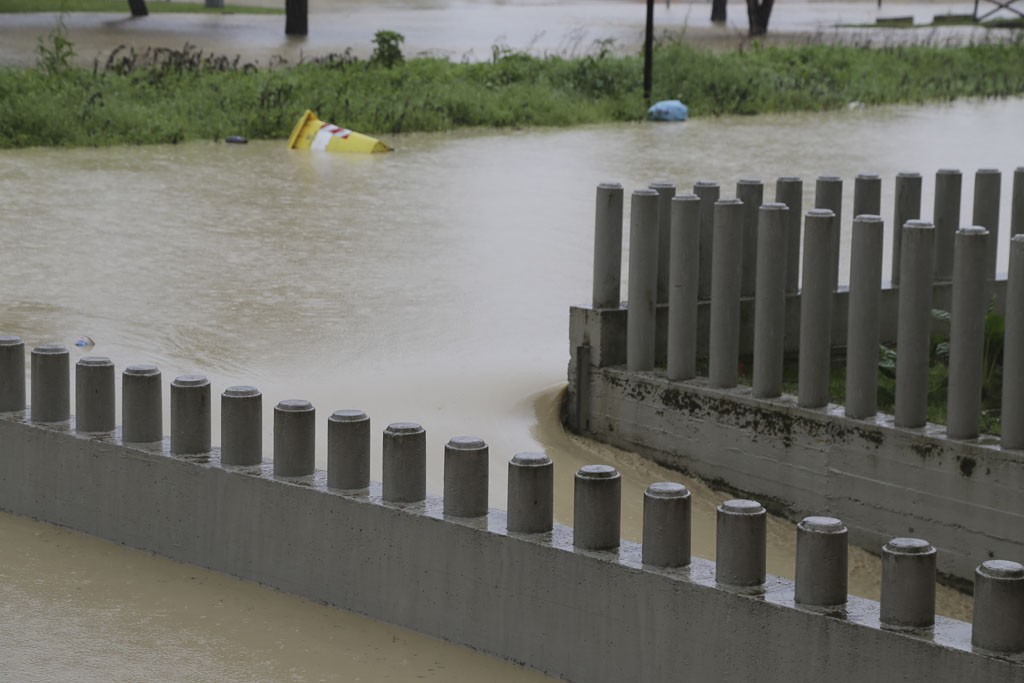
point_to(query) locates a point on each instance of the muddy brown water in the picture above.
(431, 285)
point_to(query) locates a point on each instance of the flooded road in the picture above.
(430, 285)
(469, 29)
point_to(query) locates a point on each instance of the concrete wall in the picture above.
(534, 599)
(963, 496)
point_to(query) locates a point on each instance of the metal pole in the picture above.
(648, 50)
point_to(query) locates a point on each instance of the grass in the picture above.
(161, 95)
(121, 6)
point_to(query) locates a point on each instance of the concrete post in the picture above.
(12, 374)
(907, 208)
(607, 245)
(816, 309)
(790, 191)
(908, 583)
(948, 189)
(863, 317)
(1013, 350)
(726, 276)
(998, 622)
(405, 463)
(51, 387)
(987, 183)
(770, 301)
(531, 491)
(466, 459)
(828, 194)
(643, 280)
(666, 191)
(142, 404)
(294, 438)
(190, 414)
(1017, 206)
(708, 192)
(867, 195)
(740, 543)
(348, 450)
(241, 426)
(684, 270)
(913, 329)
(94, 395)
(751, 193)
(967, 333)
(666, 535)
(821, 562)
(596, 508)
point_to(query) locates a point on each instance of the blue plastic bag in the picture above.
(668, 110)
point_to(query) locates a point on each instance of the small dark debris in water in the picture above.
(237, 139)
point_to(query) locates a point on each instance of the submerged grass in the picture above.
(176, 95)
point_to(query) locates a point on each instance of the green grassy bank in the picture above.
(171, 96)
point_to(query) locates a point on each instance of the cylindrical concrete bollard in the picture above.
(666, 535)
(816, 310)
(863, 317)
(530, 493)
(666, 191)
(405, 463)
(998, 622)
(142, 404)
(790, 191)
(948, 191)
(12, 374)
(828, 194)
(770, 302)
(726, 276)
(821, 562)
(466, 460)
(751, 193)
(190, 414)
(1013, 351)
(1017, 205)
(294, 438)
(908, 583)
(348, 450)
(907, 207)
(241, 426)
(967, 333)
(51, 384)
(643, 280)
(596, 508)
(987, 183)
(607, 246)
(708, 192)
(741, 539)
(94, 395)
(867, 195)
(913, 328)
(684, 270)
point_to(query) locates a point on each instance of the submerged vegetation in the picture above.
(162, 95)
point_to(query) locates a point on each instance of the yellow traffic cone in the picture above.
(312, 133)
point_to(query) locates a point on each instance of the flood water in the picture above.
(428, 285)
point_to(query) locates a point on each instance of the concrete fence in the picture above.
(577, 603)
(737, 294)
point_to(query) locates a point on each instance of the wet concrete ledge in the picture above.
(533, 599)
(965, 497)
